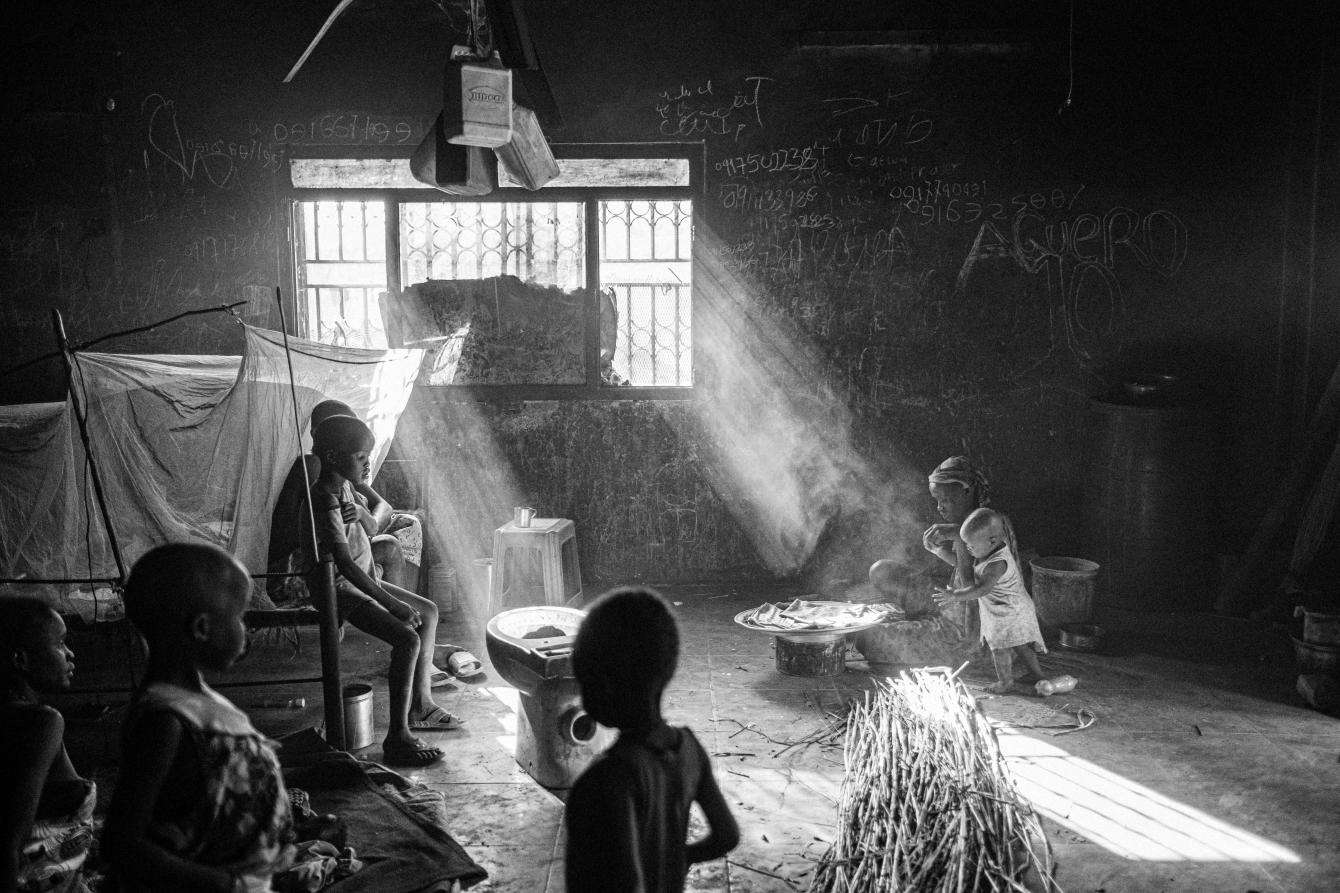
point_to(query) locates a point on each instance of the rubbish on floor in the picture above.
(927, 802)
(1059, 685)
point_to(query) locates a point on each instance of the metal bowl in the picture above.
(1080, 636)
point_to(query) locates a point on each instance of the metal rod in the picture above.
(58, 581)
(63, 344)
(331, 695)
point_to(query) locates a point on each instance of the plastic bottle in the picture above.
(1059, 685)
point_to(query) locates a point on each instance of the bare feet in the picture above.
(1001, 688)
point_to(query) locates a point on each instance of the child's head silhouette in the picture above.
(187, 600)
(627, 650)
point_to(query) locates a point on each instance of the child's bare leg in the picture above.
(404, 642)
(1031, 661)
(421, 699)
(1003, 660)
(386, 552)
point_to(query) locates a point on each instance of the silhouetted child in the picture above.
(405, 621)
(628, 813)
(46, 809)
(199, 803)
(1009, 621)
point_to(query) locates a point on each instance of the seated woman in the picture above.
(46, 809)
(931, 635)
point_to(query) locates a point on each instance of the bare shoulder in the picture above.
(32, 719)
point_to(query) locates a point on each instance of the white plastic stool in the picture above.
(535, 565)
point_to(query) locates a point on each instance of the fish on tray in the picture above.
(802, 615)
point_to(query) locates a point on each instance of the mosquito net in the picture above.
(188, 448)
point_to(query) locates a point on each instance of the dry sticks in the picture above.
(927, 803)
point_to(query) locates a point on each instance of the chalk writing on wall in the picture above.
(711, 108)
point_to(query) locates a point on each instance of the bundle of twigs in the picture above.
(927, 802)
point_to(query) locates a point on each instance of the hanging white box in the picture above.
(527, 157)
(483, 100)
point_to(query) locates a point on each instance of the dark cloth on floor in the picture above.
(640, 789)
(404, 848)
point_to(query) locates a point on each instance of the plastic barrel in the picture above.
(1150, 504)
(1063, 589)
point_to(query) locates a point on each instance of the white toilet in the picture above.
(531, 648)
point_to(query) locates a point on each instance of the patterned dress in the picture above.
(1007, 614)
(242, 822)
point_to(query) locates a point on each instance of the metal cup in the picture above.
(522, 516)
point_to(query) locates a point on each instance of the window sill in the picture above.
(514, 393)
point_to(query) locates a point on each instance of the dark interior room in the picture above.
(529, 445)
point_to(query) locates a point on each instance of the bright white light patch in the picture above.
(1126, 818)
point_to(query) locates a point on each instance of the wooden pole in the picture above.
(332, 695)
(81, 420)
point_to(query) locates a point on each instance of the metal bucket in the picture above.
(357, 715)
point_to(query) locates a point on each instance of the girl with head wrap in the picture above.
(958, 488)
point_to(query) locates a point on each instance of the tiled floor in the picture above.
(1202, 772)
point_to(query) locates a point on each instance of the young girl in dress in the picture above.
(1009, 622)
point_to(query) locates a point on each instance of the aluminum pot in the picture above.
(1080, 636)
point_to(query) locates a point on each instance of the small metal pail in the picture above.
(357, 715)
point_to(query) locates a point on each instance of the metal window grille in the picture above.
(343, 270)
(646, 251)
(540, 241)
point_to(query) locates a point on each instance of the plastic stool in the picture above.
(535, 565)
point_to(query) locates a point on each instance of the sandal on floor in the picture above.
(419, 754)
(460, 663)
(439, 678)
(438, 720)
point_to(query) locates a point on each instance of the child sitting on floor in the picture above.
(46, 809)
(405, 621)
(200, 803)
(628, 813)
(1009, 622)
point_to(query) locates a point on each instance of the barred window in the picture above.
(635, 281)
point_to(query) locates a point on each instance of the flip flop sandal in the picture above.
(439, 720)
(411, 754)
(439, 678)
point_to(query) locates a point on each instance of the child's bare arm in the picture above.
(988, 578)
(151, 749)
(602, 853)
(723, 831)
(378, 510)
(35, 739)
(349, 568)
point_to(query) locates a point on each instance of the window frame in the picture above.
(589, 196)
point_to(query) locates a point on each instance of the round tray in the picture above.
(812, 636)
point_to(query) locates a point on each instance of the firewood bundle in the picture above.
(927, 803)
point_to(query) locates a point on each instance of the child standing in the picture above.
(46, 809)
(200, 803)
(405, 621)
(1009, 622)
(628, 813)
